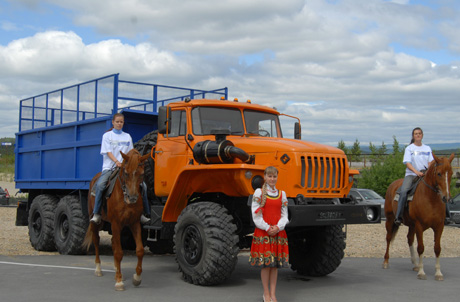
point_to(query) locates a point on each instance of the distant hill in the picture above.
(451, 147)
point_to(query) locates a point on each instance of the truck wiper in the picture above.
(237, 133)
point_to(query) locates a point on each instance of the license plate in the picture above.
(328, 215)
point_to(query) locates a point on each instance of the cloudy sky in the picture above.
(351, 69)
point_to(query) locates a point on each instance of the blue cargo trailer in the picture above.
(58, 147)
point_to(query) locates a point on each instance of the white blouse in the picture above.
(258, 217)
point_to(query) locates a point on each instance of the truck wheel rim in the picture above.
(193, 245)
(37, 224)
(63, 227)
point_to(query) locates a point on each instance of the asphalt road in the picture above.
(71, 278)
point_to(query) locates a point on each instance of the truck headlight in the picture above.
(370, 214)
(257, 182)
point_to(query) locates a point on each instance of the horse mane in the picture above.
(429, 174)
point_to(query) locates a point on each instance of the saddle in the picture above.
(109, 188)
(411, 192)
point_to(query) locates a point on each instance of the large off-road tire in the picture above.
(144, 146)
(317, 251)
(206, 245)
(41, 222)
(70, 225)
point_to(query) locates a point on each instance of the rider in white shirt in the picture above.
(417, 158)
(113, 141)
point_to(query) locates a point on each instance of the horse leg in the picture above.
(420, 250)
(389, 227)
(410, 242)
(437, 251)
(96, 241)
(117, 256)
(136, 230)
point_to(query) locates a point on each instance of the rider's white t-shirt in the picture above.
(418, 156)
(113, 142)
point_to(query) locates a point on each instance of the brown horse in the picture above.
(426, 210)
(124, 208)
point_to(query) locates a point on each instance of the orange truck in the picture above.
(207, 158)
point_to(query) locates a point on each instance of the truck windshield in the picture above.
(205, 120)
(261, 123)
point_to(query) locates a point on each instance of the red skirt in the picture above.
(269, 251)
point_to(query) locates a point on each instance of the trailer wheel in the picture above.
(70, 226)
(317, 251)
(206, 245)
(41, 222)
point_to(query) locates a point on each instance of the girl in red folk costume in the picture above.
(269, 248)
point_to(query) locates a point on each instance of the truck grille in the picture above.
(322, 173)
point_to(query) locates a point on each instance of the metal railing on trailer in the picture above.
(101, 97)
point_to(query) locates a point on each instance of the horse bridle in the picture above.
(435, 188)
(123, 183)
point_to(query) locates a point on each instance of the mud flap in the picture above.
(22, 213)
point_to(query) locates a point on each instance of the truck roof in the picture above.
(223, 103)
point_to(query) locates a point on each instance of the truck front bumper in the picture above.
(333, 214)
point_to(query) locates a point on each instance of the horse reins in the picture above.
(123, 186)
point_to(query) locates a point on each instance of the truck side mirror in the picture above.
(164, 119)
(297, 131)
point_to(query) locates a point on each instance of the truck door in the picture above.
(171, 154)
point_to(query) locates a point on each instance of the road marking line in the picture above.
(54, 266)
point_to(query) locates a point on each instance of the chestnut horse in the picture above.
(426, 210)
(124, 208)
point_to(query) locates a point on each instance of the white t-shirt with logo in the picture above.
(113, 142)
(418, 156)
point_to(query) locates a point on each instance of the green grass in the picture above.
(7, 164)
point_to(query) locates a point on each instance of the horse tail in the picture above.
(88, 238)
(394, 231)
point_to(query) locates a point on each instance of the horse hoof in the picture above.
(119, 286)
(415, 269)
(439, 278)
(385, 266)
(137, 280)
(421, 277)
(98, 273)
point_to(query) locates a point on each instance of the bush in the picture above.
(382, 173)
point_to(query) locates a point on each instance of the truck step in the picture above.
(151, 227)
